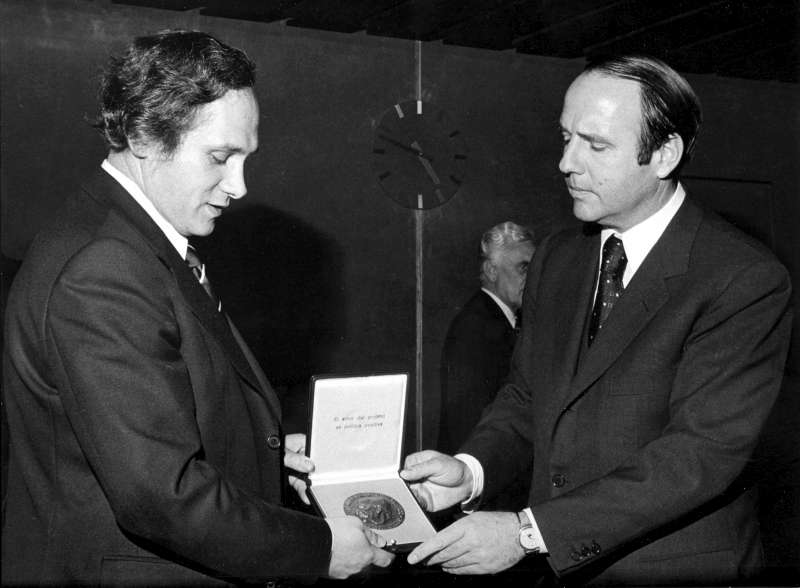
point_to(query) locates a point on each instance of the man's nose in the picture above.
(233, 184)
(569, 159)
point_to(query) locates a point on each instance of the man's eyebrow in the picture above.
(232, 149)
(592, 138)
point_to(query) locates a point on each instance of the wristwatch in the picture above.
(527, 538)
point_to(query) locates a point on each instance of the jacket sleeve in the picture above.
(116, 352)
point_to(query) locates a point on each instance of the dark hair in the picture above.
(152, 91)
(668, 103)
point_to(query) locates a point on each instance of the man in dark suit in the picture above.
(652, 350)
(477, 350)
(146, 443)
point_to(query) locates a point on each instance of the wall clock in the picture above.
(418, 155)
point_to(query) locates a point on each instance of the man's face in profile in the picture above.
(511, 265)
(601, 126)
(194, 185)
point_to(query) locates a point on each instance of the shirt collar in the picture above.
(640, 239)
(512, 318)
(179, 242)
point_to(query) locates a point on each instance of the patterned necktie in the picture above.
(610, 285)
(199, 270)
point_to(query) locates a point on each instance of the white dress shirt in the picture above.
(179, 242)
(509, 314)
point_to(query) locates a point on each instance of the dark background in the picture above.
(317, 265)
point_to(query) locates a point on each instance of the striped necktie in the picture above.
(199, 270)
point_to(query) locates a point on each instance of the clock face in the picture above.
(419, 155)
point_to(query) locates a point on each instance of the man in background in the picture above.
(651, 354)
(477, 350)
(146, 444)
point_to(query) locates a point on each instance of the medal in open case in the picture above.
(356, 438)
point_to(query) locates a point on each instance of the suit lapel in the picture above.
(272, 399)
(646, 293)
(104, 188)
(577, 285)
(493, 310)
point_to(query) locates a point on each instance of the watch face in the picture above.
(527, 540)
(419, 155)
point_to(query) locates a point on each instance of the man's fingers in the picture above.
(300, 487)
(469, 569)
(295, 442)
(418, 491)
(419, 457)
(375, 539)
(382, 558)
(421, 470)
(450, 555)
(433, 545)
(298, 462)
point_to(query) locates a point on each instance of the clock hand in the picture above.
(428, 168)
(400, 145)
(426, 163)
(415, 148)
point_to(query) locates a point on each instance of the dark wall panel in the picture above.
(317, 265)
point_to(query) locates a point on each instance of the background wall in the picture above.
(316, 265)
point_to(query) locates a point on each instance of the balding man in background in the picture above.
(477, 350)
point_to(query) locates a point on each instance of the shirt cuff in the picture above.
(537, 534)
(475, 467)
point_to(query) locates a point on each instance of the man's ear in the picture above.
(489, 270)
(141, 148)
(667, 157)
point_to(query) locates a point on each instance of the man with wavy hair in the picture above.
(146, 443)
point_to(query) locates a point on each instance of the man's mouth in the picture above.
(575, 190)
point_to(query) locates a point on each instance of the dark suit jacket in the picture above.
(142, 435)
(638, 440)
(475, 362)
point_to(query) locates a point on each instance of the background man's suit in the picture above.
(475, 362)
(638, 440)
(166, 434)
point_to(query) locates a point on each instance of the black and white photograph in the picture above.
(400, 293)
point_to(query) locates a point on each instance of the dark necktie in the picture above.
(199, 270)
(610, 285)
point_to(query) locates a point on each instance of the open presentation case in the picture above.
(355, 441)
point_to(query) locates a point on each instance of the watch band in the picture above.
(527, 537)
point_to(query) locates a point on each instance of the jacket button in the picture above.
(559, 480)
(574, 554)
(273, 441)
(596, 547)
(585, 551)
